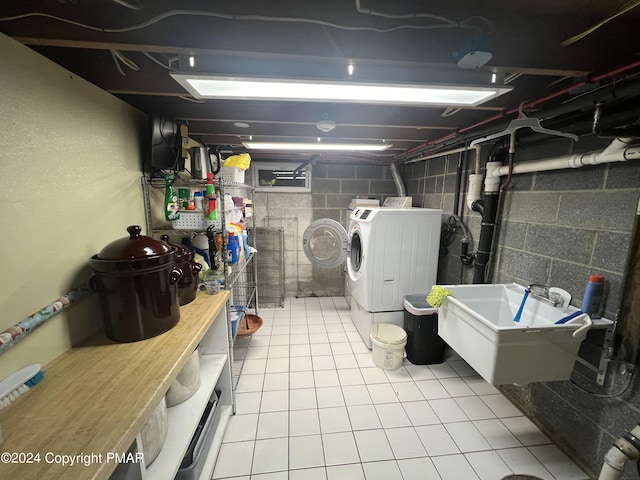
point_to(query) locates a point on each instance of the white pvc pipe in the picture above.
(609, 473)
(474, 192)
(613, 466)
(618, 151)
(623, 450)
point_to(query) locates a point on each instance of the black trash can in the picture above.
(424, 346)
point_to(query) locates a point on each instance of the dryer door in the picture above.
(326, 243)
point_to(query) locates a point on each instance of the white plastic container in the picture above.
(388, 342)
(154, 432)
(186, 383)
(231, 174)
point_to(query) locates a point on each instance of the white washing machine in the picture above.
(389, 253)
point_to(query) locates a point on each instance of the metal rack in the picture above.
(270, 281)
(243, 281)
(240, 279)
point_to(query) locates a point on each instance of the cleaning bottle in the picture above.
(233, 249)
(592, 300)
(245, 245)
(198, 200)
(219, 262)
(211, 212)
(171, 205)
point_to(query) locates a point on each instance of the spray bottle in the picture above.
(210, 200)
(171, 205)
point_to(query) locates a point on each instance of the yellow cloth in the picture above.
(242, 161)
(437, 295)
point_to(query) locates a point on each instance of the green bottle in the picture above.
(170, 199)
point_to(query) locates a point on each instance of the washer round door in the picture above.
(355, 252)
(326, 243)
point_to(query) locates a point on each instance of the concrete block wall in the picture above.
(432, 184)
(333, 186)
(557, 228)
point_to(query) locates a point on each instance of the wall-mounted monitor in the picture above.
(166, 144)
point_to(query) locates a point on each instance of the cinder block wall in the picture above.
(557, 228)
(332, 188)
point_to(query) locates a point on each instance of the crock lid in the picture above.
(182, 251)
(134, 247)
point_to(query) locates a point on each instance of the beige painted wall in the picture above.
(70, 183)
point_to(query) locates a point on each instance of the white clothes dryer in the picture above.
(389, 253)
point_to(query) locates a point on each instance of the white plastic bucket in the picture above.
(388, 345)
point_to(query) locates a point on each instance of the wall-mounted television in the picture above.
(166, 144)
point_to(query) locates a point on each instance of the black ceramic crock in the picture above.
(185, 261)
(137, 281)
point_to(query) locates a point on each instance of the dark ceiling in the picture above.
(129, 47)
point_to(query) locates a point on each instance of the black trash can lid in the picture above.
(417, 304)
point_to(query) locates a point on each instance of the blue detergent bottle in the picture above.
(592, 301)
(233, 249)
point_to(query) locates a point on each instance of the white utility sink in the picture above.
(478, 323)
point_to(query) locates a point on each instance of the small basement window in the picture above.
(281, 177)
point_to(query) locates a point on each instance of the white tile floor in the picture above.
(311, 405)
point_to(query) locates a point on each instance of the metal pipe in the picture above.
(599, 131)
(20, 330)
(439, 154)
(456, 196)
(477, 147)
(581, 84)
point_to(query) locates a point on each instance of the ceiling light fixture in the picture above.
(192, 62)
(325, 125)
(241, 124)
(350, 69)
(318, 146)
(243, 88)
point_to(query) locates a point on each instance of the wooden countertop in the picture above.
(96, 397)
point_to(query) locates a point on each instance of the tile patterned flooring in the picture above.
(311, 405)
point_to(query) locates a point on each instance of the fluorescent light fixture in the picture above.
(350, 69)
(245, 88)
(318, 146)
(192, 61)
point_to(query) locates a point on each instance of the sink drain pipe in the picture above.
(624, 449)
(488, 207)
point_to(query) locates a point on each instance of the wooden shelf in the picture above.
(184, 418)
(95, 398)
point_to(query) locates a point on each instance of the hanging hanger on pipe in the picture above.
(523, 122)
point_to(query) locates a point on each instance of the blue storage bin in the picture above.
(236, 314)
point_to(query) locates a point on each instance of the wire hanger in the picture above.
(523, 122)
